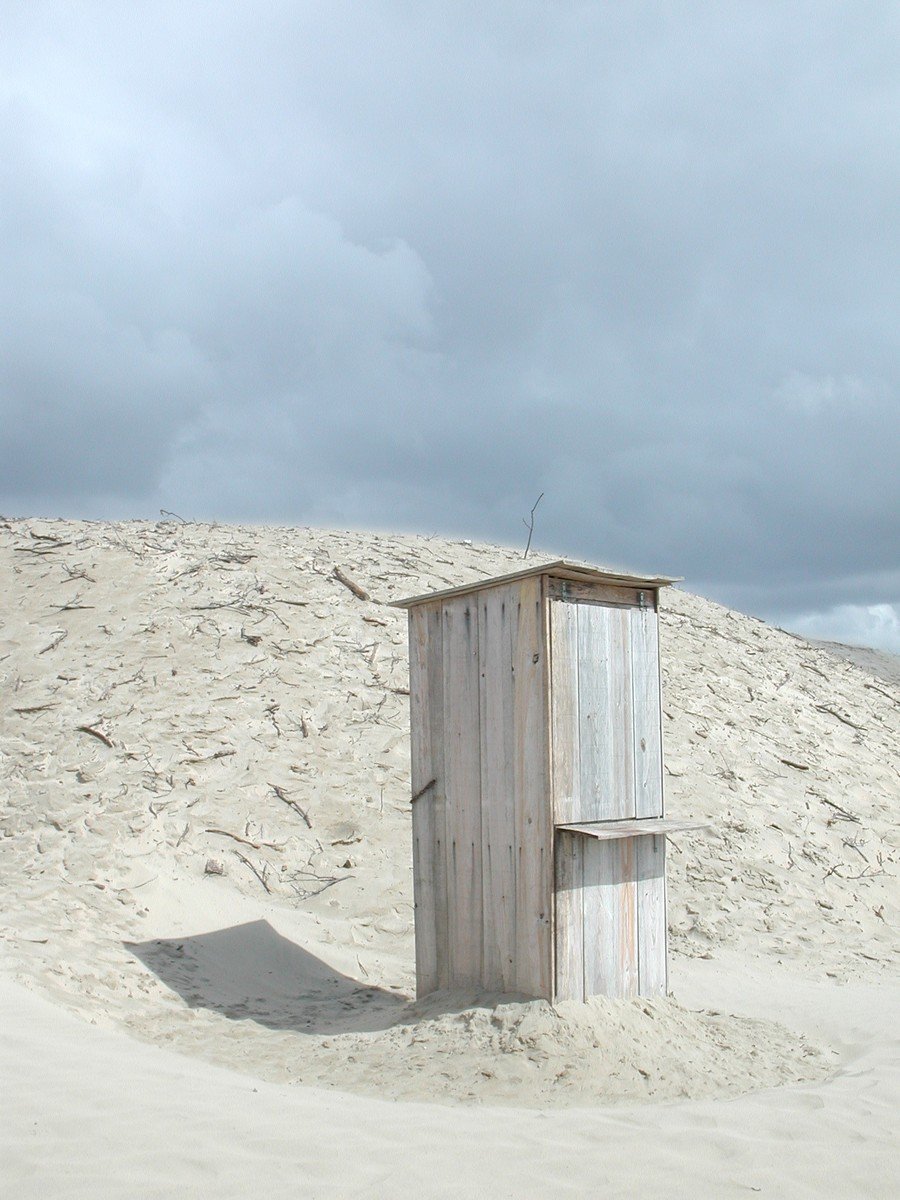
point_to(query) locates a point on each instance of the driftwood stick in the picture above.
(529, 525)
(59, 636)
(285, 798)
(841, 811)
(834, 713)
(259, 875)
(245, 841)
(209, 757)
(101, 737)
(797, 766)
(359, 592)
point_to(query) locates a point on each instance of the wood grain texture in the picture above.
(648, 826)
(462, 775)
(605, 715)
(534, 826)
(429, 812)
(610, 922)
(497, 615)
(569, 983)
(647, 737)
(564, 722)
(599, 593)
(650, 899)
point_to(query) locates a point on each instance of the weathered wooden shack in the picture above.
(537, 778)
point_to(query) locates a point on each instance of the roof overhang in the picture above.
(560, 569)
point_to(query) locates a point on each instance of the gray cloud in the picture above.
(411, 265)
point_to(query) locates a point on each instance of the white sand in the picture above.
(221, 661)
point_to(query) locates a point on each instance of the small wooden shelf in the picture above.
(608, 830)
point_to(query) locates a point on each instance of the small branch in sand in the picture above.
(60, 636)
(529, 525)
(359, 592)
(841, 811)
(881, 692)
(260, 875)
(285, 798)
(245, 841)
(797, 766)
(34, 708)
(209, 757)
(101, 737)
(840, 716)
(164, 512)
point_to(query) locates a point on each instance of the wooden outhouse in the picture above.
(537, 783)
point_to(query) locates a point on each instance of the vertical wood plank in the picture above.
(564, 720)
(462, 775)
(569, 917)
(428, 815)
(534, 824)
(648, 771)
(651, 915)
(610, 924)
(605, 714)
(497, 615)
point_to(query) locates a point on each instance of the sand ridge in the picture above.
(184, 698)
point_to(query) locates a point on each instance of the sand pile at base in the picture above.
(184, 699)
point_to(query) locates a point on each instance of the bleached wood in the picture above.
(534, 824)
(650, 899)
(564, 723)
(605, 714)
(613, 830)
(576, 591)
(647, 736)
(497, 614)
(610, 924)
(562, 568)
(429, 811)
(569, 917)
(462, 775)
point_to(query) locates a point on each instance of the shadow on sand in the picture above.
(250, 972)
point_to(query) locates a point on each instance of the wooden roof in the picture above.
(560, 569)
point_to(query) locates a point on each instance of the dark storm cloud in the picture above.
(411, 265)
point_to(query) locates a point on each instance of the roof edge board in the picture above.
(560, 568)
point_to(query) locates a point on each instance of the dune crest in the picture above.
(205, 819)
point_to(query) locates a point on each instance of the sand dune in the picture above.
(204, 846)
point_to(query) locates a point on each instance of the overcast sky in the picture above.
(407, 265)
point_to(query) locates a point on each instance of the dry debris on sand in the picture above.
(204, 822)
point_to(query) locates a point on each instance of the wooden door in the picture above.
(605, 699)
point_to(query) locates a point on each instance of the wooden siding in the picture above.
(531, 785)
(426, 687)
(482, 834)
(611, 916)
(462, 780)
(605, 723)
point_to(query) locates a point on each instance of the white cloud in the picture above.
(876, 625)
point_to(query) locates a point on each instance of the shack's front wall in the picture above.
(610, 916)
(607, 740)
(482, 824)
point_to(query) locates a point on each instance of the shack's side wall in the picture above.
(482, 826)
